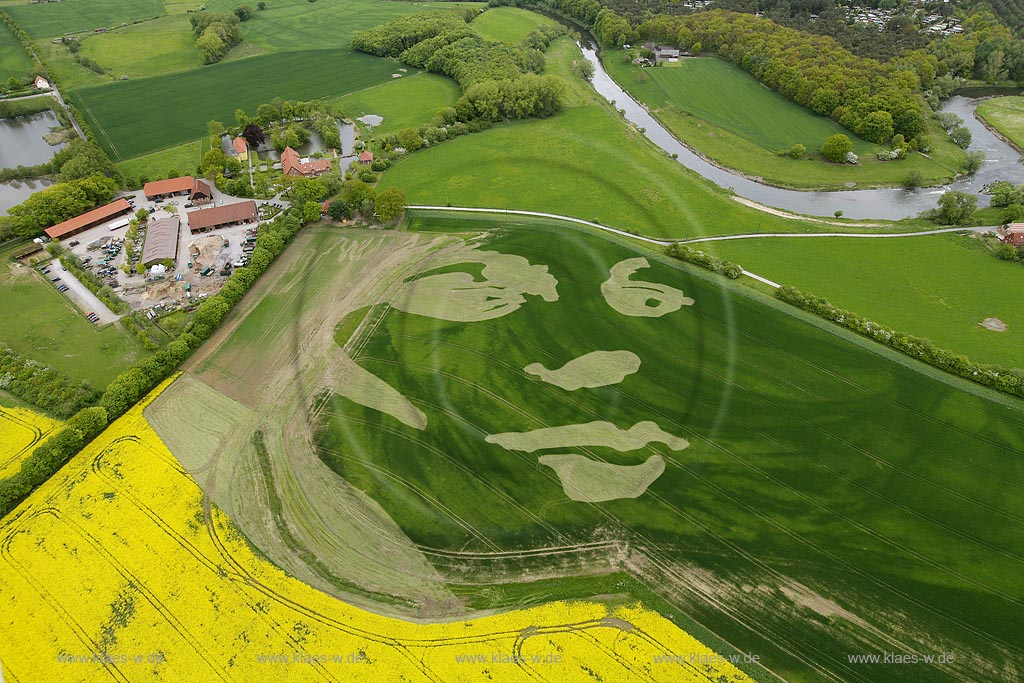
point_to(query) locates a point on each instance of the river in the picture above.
(1001, 163)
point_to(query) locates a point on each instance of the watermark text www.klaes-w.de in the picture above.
(110, 658)
(509, 658)
(707, 658)
(897, 658)
(309, 658)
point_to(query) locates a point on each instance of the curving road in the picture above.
(695, 240)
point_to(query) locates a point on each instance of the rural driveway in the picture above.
(81, 296)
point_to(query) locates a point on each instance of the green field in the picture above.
(41, 324)
(508, 24)
(1006, 115)
(13, 60)
(182, 159)
(47, 19)
(403, 102)
(149, 49)
(717, 108)
(136, 117)
(937, 287)
(850, 493)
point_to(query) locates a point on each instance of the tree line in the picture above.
(500, 81)
(58, 203)
(1007, 381)
(215, 33)
(44, 387)
(870, 98)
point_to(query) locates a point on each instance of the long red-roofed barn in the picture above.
(160, 189)
(89, 219)
(222, 216)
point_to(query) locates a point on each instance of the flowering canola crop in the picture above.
(115, 570)
(20, 432)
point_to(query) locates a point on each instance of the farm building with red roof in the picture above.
(291, 164)
(222, 216)
(89, 219)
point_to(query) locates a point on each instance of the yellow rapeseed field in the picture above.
(113, 570)
(20, 432)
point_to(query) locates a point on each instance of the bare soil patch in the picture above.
(596, 433)
(638, 298)
(994, 324)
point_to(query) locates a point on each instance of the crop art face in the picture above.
(498, 286)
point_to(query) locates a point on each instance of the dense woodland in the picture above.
(500, 81)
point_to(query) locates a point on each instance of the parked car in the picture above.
(73, 243)
(54, 279)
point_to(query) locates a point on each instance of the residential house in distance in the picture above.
(1013, 234)
(41, 83)
(241, 148)
(89, 219)
(222, 216)
(291, 164)
(366, 157)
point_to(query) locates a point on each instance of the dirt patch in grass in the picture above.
(596, 369)
(205, 250)
(638, 298)
(458, 296)
(587, 481)
(994, 324)
(596, 433)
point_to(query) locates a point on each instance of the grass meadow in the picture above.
(852, 494)
(403, 102)
(152, 48)
(1006, 115)
(939, 287)
(48, 19)
(182, 159)
(137, 117)
(508, 24)
(40, 323)
(13, 60)
(717, 108)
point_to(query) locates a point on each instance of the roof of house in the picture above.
(1015, 227)
(202, 187)
(161, 240)
(240, 145)
(366, 156)
(169, 186)
(101, 213)
(219, 215)
(290, 160)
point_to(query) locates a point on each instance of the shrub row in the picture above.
(90, 280)
(704, 260)
(1000, 379)
(42, 386)
(135, 382)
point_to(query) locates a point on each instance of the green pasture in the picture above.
(938, 287)
(818, 465)
(1006, 115)
(508, 24)
(40, 323)
(583, 162)
(181, 159)
(151, 48)
(136, 117)
(48, 19)
(301, 25)
(13, 59)
(720, 110)
(404, 102)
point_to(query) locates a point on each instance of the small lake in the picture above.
(21, 140)
(16, 191)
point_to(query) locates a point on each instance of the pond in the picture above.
(16, 191)
(21, 139)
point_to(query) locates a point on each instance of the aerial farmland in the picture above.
(450, 342)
